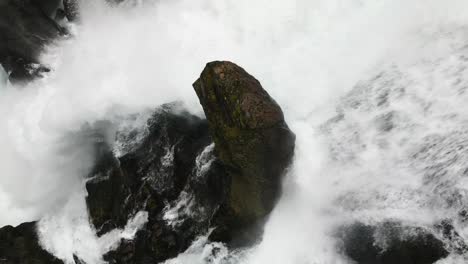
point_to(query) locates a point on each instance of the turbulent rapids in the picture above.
(234, 132)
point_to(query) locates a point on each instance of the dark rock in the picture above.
(155, 175)
(390, 243)
(26, 27)
(20, 245)
(161, 164)
(252, 140)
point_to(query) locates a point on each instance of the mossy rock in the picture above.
(251, 139)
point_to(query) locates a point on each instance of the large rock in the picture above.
(20, 245)
(251, 139)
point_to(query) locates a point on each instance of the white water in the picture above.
(308, 54)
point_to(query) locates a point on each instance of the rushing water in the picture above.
(375, 90)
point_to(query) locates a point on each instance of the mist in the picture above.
(308, 55)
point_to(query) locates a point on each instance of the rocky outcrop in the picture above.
(192, 175)
(26, 26)
(253, 142)
(20, 245)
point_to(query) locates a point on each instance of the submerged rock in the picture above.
(20, 245)
(390, 243)
(251, 139)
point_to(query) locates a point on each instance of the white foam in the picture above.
(204, 160)
(67, 232)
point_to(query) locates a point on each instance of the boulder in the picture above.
(253, 142)
(390, 243)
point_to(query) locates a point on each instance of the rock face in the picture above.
(251, 139)
(26, 26)
(20, 245)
